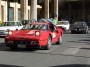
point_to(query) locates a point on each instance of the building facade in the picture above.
(25, 9)
(72, 10)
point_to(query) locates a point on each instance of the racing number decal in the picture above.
(53, 35)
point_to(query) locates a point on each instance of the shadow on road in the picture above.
(72, 65)
(4, 48)
(3, 65)
(21, 50)
(86, 40)
(85, 48)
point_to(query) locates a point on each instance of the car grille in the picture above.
(3, 32)
(25, 42)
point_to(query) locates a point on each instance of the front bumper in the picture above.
(3, 33)
(26, 42)
(78, 30)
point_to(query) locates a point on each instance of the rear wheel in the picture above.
(59, 40)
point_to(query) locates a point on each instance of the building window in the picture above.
(11, 14)
(2, 13)
(18, 14)
(28, 14)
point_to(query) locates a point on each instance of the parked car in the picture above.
(9, 25)
(79, 27)
(65, 25)
(38, 34)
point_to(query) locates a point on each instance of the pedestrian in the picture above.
(55, 20)
(50, 20)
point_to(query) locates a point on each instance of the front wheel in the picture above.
(48, 46)
(72, 32)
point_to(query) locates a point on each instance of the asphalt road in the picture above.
(73, 52)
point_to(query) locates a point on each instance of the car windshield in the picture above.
(8, 24)
(79, 24)
(35, 27)
(63, 23)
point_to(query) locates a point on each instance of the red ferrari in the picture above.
(37, 34)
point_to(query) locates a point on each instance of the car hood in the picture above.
(63, 25)
(7, 28)
(79, 26)
(28, 34)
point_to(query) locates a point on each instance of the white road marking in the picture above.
(76, 47)
(71, 51)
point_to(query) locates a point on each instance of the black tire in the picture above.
(59, 40)
(84, 32)
(48, 46)
(87, 32)
(72, 32)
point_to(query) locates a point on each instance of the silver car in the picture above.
(9, 25)
(65, 25)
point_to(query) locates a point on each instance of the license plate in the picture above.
(21, 46)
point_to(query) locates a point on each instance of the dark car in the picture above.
(79, 27)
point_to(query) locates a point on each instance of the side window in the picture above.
(52, 27)
(44, 27)
(19, 24)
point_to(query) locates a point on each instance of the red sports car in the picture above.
(37, 34)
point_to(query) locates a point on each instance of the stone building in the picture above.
(25, 9)
(72, 10)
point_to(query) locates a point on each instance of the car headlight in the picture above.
(10, 32)
(37, 33)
